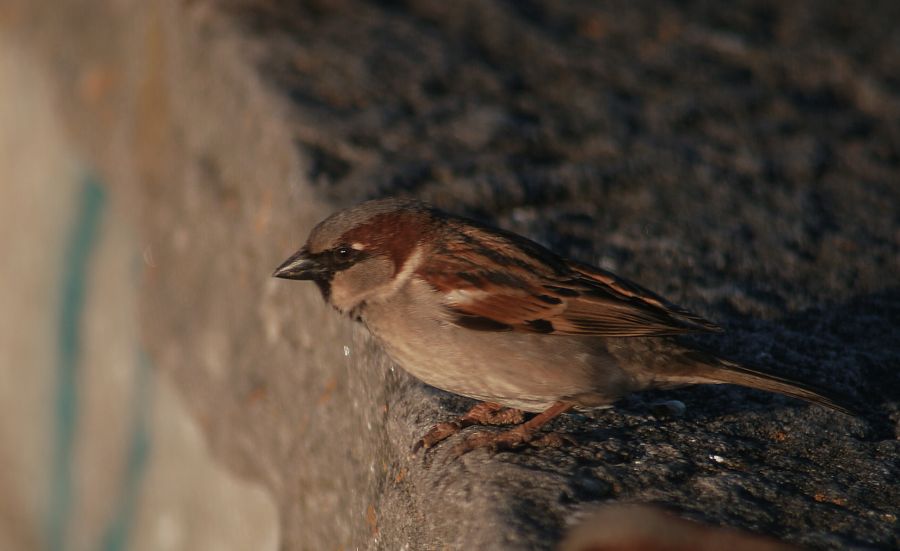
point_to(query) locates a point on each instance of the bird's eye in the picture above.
(343, 256)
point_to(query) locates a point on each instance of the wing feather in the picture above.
(496, 281)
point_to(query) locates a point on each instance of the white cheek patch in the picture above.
(411, 265)
(358, 283)
(371, 280)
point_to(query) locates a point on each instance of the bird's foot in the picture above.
(512, 439)
(438, 433)
(483, 413)
(493, 441)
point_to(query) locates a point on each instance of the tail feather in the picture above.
(728, 372)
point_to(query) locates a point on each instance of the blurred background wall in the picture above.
(96, 450)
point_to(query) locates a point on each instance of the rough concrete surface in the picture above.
(742, 159)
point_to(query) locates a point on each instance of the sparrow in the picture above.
(489, 314)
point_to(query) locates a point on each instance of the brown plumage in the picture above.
(543, 293)
(489, 314)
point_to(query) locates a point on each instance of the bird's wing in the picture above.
(493, 281)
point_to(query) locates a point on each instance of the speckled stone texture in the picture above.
(741, 158)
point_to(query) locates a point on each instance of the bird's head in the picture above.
(361, 253)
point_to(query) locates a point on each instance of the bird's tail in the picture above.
(718, 370)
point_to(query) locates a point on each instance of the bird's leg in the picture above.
(520, 435)
(483, 413)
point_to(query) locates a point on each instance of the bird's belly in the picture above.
(522, 370)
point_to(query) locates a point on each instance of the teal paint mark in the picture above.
(82, 242)
(117, 533)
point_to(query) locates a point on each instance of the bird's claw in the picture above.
(511, 440)
(438, 433)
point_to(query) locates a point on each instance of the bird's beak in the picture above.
(300, 266)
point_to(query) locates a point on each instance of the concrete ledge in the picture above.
(737, 159)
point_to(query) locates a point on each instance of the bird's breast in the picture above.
(523, 370)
